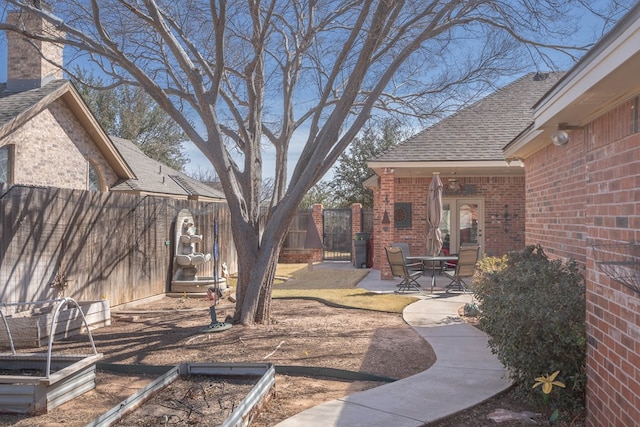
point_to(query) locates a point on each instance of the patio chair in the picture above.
(424, 265)
(405, 253)
(465, 267)
(402, 270)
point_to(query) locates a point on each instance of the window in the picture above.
(94, 178)
(6, 160)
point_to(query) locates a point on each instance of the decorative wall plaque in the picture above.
(402, 215)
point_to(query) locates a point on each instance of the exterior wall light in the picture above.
(559, 137)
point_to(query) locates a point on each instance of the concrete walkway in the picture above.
(464, 374)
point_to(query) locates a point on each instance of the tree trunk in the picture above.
(257, 269)
(255, 282)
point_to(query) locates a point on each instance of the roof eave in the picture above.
(372, 182)
(194, 197)
(605, 77)
(77, 105)
(461, 168)
(525, 144)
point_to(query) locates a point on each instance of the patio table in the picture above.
(433, 260)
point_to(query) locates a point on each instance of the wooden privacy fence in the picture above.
(298, 230)
(97, 246)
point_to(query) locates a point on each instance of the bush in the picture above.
(533, 311)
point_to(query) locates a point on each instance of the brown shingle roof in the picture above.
(15, 105)
(154, 177)
(480, 131)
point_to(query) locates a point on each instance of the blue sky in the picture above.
(200, 164)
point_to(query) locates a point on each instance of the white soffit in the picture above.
(525, 144)
(462, 168)
(607, 76)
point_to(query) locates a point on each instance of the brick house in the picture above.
(583, 202)
(49, 137)
(483, 193)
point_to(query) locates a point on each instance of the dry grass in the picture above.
(299, 276)
(334, 287)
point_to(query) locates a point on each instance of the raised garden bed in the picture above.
(226, 394)
(32, 383)
(26, 388)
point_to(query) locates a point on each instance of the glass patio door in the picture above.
(462, 223)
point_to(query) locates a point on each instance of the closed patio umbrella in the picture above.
(434, 216)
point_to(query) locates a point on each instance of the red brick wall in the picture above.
(582, 194)
(414, 191)
(556, 203)
(613, 310)
(504, 213)
(299, 256)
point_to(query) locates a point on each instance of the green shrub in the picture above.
(533, 310)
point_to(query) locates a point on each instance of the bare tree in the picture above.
(211, 179)
(130, 113)
(351, 169)
(236, 75)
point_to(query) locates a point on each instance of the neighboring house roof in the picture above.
(17, 108)
(479, 132)
(605, 76)
(153, 177)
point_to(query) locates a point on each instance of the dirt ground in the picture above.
(303, 333)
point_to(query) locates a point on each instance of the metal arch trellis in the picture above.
(59, 304)
(620, 261)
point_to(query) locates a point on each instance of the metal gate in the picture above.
(336, 236)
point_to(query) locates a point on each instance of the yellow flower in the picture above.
(547, 382)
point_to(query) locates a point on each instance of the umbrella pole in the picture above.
(215, 250)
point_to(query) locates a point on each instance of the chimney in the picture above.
(26, 67)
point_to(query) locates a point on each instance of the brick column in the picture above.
(356, 224)
(356, 219)
(383, 222)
